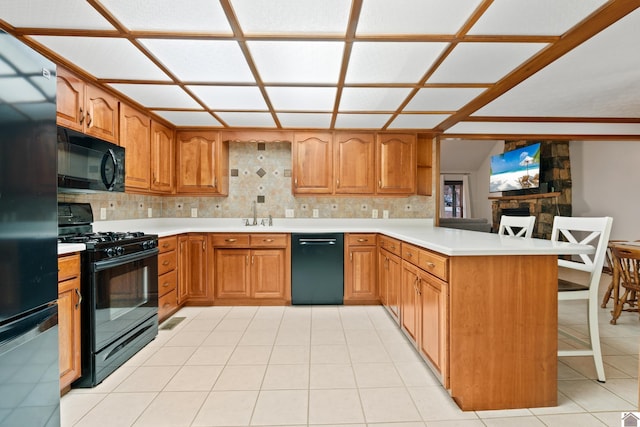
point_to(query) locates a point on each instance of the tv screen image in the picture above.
(516, 169)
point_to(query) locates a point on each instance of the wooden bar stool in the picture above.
(626, 273)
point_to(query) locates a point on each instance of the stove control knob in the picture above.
(110, 252)
(120, 250)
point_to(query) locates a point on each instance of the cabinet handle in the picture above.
(363, 240)
(165, 284)
(253, 257)
(81, 115)
(295, 182)
(230, 240)
(415, 285)
(165, 262)
(380, 184)
(204, 246)
(267, 240)
(165, 245)
(430, 265)
(79, 298)
(338, 182)
(88, 119)
(215, 182)
(409, 255)
(351, 256)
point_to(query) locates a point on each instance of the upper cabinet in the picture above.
(396, 159)
(162, 158)
(202, 163)
(312, 163)
(135, 132)
(86, 108)
(354, 163)
(425, 165)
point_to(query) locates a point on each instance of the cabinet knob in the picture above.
(165, 262)
(165, 245)
(165, 284)
(430, 265)
(409, 255)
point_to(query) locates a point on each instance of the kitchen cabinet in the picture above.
(390, 274)
(433, 337)
(410, 293)
(354, 163)
(252, 268)
(86, 108)
(424, 185)
(396, 163)
(312, 163)
(193, 286)
(167, 277)
(162, 158)
(202, 163)
(360, 269)
(69, 299)
(135, 137)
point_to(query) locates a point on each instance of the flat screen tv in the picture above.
(517, 169)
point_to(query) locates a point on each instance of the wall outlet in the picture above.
(150, 212)
(374, 213)
(288, 213)
(385, 214)
(316, 213)
(103, 213)
(194, 212)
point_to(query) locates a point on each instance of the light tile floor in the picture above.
(328, 365)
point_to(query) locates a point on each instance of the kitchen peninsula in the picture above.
(490, 300)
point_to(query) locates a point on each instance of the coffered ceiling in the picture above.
(460, 68)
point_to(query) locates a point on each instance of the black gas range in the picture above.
(119, 285)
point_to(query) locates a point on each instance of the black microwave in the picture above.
(87, 164)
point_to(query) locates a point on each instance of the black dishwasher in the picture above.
(317, 272)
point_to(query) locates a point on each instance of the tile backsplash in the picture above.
(260, 172)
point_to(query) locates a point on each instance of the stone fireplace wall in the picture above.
(555, 199)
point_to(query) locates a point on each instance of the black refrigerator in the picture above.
(29, 368)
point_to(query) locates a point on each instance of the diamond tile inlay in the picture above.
(261, 172)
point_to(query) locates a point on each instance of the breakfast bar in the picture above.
(484, 312)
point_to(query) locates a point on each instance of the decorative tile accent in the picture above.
(234, 172)
(262, 146)
(260, 199)
(261, 172)
(287, 173)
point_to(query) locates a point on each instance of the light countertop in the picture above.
(420, 232)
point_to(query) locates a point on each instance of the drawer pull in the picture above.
(267, 240)
(166, 245)
(166, 304)
(363, 240)
(430, 265)
(409, 255)
(165, 262)
(230, 240)
(165, 284)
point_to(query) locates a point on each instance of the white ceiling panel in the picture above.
(305, 120)
(171, 15)
(68, 14)
(361, 121)
(113, 53)
(442, 99)
(155, 96)
(528, 128)
(592, 80)
(202, 60)
(230, 97)
(417, 121)
(302, 98)
(414, 16)
(241, 119)
(188, 118)
(372, 99)
(540, 17)
(483, 62)
(292, 16)
(297, 61)
(391, 62)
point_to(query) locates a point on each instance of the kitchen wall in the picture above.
(260, 172)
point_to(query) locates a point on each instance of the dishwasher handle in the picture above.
(309, 241)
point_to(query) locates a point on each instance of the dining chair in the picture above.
(626, 260)
(587, 231)
(524, 223)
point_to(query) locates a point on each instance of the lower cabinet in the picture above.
(252, 268)
(360, 269)
(193, 286)
(433, 333)
(69, 298)
(410, 294)
(389, 275)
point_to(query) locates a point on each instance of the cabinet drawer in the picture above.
(268, 240)
(434, 264)
(390, 244)
(411, 253)
(166, 304)
(166, 244)
(166, 262)
(167, 282)
(230, 240)
(68, 267)
(361, 239)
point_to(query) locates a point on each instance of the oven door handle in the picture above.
(110, 263)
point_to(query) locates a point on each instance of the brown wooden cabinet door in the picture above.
(198, 288)
(197, 168)
(409, 300)
(361, 274)
(396, 163)
(383, 277)
(183, 268)
(394, 279)
(101, 114)
(162, 158)
(312, 163)
(354, 163)
(267, 273)
(433, 335)
(69, 331)
(135, 132)
(70, 100)
(232, 273)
